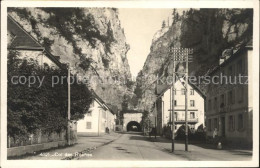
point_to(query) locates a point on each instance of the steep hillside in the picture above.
(91, 39)
(207, 31)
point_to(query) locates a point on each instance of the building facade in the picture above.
(229, 101)
(164, 106)
(97, 120)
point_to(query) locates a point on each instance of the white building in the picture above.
(99, 117)
(230, 104)
(195, 106)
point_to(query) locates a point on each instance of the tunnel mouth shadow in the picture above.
(133, 126)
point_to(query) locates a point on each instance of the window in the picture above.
(89, 113)
(175, 102)
(215, 103)
(182, 91)
(240, 123)
(191, 91)
(192, 103)
(209, 125)
(192, 115)
(222, 101)
(240, 95)
(231, 123)
(231, 97)
(209, 105)
(88, 125)
(175, 116)
(215, 123)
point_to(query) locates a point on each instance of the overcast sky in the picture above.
(140, 25)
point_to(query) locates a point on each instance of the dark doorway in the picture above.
(133, 126)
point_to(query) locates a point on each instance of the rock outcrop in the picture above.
(207, 31)
(90, 39)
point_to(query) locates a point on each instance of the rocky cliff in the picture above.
(207, 31)
(91, 39)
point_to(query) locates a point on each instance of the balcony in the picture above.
(190, 120)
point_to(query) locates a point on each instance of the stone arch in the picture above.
(133, 126)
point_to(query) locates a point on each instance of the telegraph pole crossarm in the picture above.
(181, 55)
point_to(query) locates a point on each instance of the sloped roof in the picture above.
(113, 108)
(21, 39)
(247, 46)
(161, 89)
(101, 102)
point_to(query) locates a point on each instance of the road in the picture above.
(134, 146)
(131, 146)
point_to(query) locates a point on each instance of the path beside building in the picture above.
(202, 151)
(84, 144)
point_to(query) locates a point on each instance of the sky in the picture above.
(140, 25)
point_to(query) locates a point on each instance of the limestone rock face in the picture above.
(90, 39)
(207, 31)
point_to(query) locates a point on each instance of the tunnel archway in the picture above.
(133, 126)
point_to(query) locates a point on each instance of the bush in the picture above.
(181, 133)
(32, 108)
(167, 132)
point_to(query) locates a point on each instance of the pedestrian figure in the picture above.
(215, 133)
(107, 130)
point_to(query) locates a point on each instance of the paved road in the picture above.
(132, 146)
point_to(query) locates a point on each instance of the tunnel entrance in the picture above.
(133, 126)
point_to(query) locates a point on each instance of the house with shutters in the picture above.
(98, 119)
(164, 106)
(229, 107)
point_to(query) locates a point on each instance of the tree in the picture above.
(32, 108)
(163, 24)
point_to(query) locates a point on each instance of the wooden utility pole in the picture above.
(68, 129)
(172, 91)
(155, 120)
(186, 104)
(181, 55)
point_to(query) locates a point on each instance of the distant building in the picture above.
(195, 106)
(229, 107)
(99, 117)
